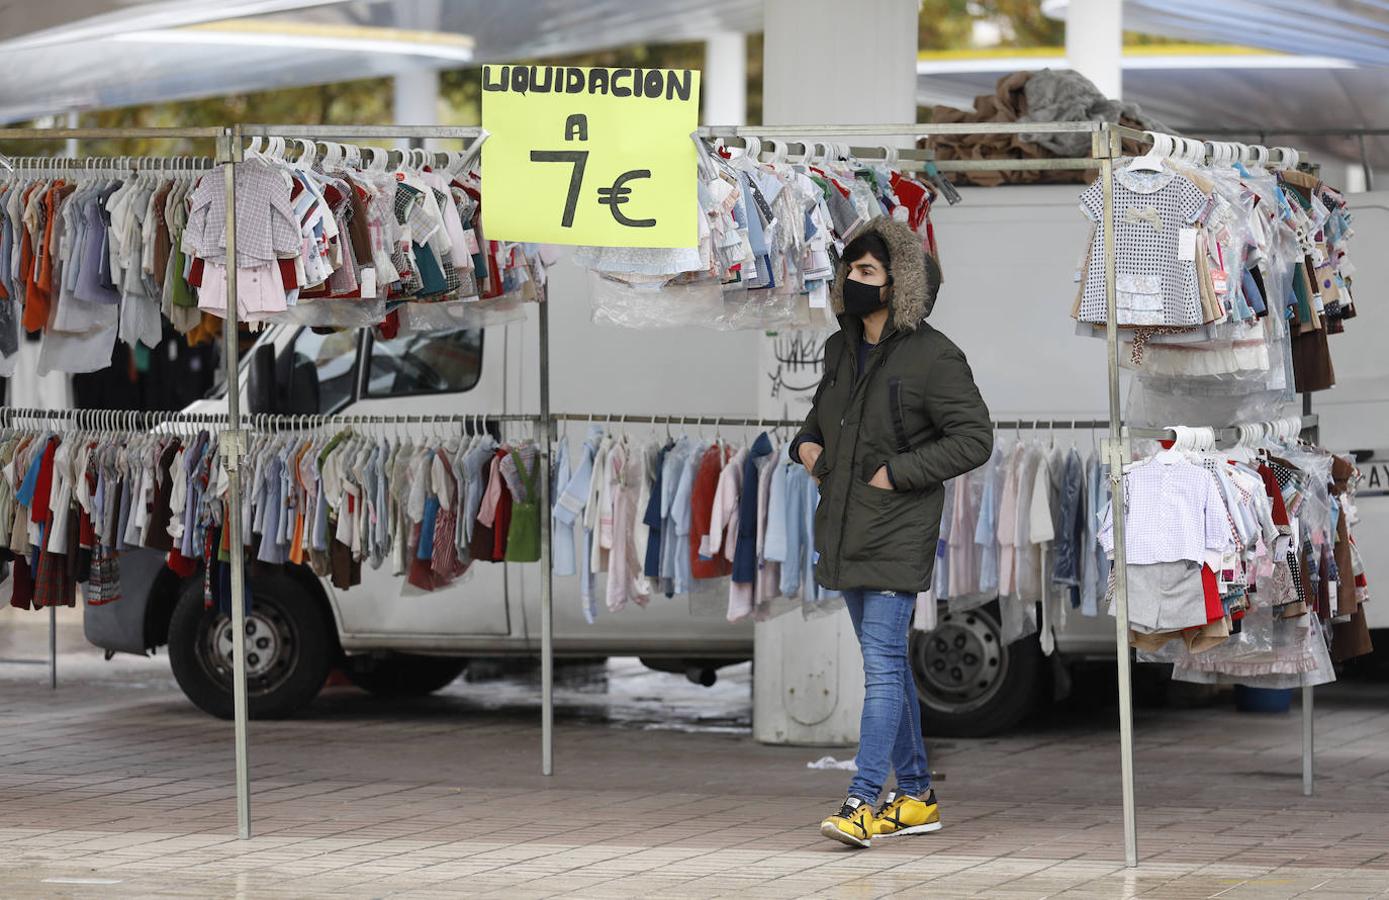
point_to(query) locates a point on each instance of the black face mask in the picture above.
(862, 299)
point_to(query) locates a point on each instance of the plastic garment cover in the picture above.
(1018, 618)
(1269, 653)
(460, 314)
(769, 238)
(335, 313)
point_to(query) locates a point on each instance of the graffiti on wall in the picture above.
(798, 359)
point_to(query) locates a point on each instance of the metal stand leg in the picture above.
(1105, 149)
(547, 599)
(232, 448)
(53, 647)
(1307, 746)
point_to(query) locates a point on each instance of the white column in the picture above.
(73, 121)
(1095, 43)
(1355, 178)
(821, 64)
(723, 85)
(416, 101)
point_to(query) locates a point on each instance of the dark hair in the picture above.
(870, 243)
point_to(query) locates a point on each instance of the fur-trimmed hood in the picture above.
(915, 276)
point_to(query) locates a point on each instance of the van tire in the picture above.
(290, 648)
(970, 683)
(404, 675)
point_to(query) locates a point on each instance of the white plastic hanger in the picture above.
(1152, 160)
(752, 148)
(1175, 453)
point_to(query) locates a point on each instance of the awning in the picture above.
(62, 55)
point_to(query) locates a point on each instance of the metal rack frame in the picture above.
(1105, 151)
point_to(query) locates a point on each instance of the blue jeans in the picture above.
(890, 732)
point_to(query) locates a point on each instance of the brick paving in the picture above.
(116, 786)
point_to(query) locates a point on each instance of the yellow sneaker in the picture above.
(852, 825)
(904, 814)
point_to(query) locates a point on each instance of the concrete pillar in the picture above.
(723, 85)
(1095, 43)
(416, 101)
(808, 674)
(1355, 178)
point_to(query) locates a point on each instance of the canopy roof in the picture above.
(1197, 89)
(61, 55)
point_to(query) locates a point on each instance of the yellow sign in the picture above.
(590, 156)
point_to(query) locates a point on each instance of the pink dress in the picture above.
(625, 581)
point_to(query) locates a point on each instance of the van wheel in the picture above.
(969, 682)
(288, 649)
(403, 675)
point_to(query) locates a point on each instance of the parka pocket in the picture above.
(898, 411)
(886, 525)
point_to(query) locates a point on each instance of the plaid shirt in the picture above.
(266, 227)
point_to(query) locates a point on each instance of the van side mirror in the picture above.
(260, 381)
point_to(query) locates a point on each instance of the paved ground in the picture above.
(116, 786)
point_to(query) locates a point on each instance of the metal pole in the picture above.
(1308, 726)
(547, 600)
(232, 449)
(53, 647)
(1307, 738)
(1106, 149)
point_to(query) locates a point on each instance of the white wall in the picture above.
(679, 371)
(1009, 255)
(1355, 413)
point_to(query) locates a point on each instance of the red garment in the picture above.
(1215, 610)
(706, 484)
(181, 565)
(420, 574)
(289, 275)
(38, 513)
(1275, 493)
(22, 585)
(914, 197)
(86, 534)
(27, 267)
(483, 541)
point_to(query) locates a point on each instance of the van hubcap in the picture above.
(960, 665)
(270, 649)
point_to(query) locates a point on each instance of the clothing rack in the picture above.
(148, 420)
(144, 420)
(1106, 150)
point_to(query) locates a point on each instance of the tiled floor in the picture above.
(115, 786)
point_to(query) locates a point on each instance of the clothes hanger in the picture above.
(752, 148)
(1174, 454)
(803, 158)
(1152, 160)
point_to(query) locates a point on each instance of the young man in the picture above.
(896, 415)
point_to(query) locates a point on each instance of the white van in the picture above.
(1009, 255)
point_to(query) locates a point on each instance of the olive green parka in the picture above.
(915, 409)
